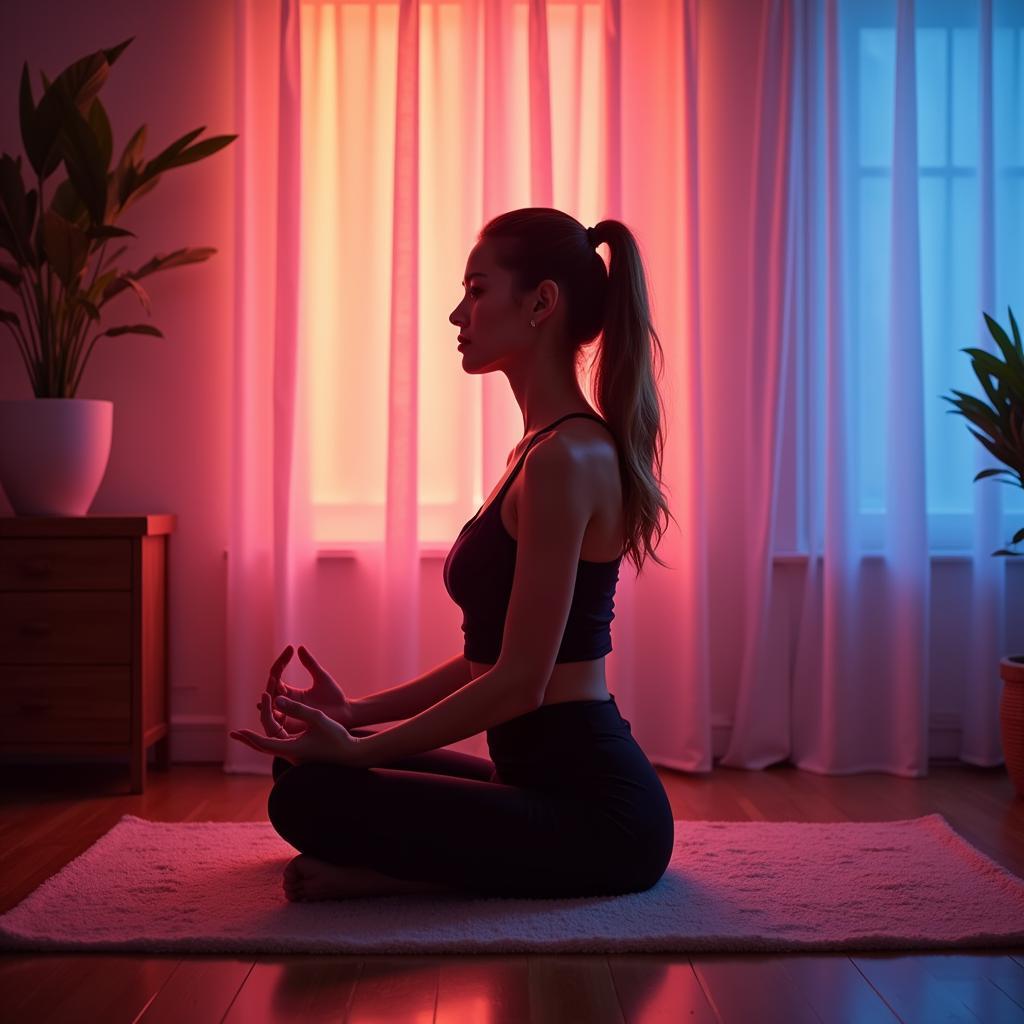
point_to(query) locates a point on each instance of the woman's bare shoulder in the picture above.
(593, 447)
(590, 440)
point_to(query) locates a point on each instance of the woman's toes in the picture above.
(307, 879)
(292, 880)
(293, 871)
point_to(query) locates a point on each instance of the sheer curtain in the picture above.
(911, 150)
(774, 160)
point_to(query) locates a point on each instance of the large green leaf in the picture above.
(137, 191)
(10, 274)
(83, 301)
(50, 113)
(114, 52)
(200, 150)
(103, 232)
(1000, 451)
(1013, 370)
(164, 160)
(986, 365)
(7, 240)
(17, 223)
(126, 174)
(1016, 334)
(134, 183)
(986, 422)
(969, 403)
(141, 292)
(43, 142)
(113, 332)
(86, 76)
(100, 125)
(83, 158)
(67, 248)
(178, 258)
(1013, 426)
(985, 473)
(94, 293)
(39, 125)
(68, 203)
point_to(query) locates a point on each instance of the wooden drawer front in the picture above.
(43, 563)
(62, 705)
(58, 628)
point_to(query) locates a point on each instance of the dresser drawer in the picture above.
(64, 627)
(65, 705)
(54, 563)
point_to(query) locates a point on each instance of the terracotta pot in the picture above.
(1011, 717)
(53, 453)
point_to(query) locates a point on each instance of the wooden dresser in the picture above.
(83, 637)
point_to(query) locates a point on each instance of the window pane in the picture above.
(952, 321)
(872, 334)
(932, 93)
(876, 64)
(1008, 96)
(965, 97)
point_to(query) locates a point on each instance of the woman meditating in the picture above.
(567, 804)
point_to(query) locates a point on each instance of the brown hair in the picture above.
(539, 243)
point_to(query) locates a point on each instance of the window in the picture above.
(349, 51)
(948, 139)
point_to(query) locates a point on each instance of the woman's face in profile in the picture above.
(486, 317)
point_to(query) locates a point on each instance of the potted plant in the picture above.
(1003, 423)
(54, 447)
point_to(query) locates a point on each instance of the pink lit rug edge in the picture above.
(744, 886)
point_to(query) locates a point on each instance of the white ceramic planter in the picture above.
(53, 453)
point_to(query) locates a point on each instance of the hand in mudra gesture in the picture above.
(322, 739)
(317, 728)
(325, 694)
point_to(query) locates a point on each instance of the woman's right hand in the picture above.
(324, 694)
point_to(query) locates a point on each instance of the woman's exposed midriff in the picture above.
(570, 680)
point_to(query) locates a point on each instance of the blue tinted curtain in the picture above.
(908, 165)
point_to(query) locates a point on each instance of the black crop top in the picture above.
(478, 577)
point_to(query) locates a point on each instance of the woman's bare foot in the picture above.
(307, 879)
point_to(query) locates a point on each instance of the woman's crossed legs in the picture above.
(433, 822)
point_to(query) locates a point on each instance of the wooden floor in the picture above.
(54, 815)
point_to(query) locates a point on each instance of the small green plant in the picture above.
(54, 246)
(1003, 421)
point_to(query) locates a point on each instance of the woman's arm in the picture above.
(497, 696)
(409, 699)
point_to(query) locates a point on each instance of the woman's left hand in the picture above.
(323, 739)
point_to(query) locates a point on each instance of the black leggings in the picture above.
(569, 806)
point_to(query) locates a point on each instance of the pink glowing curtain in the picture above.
(270, 544)
(720, 132)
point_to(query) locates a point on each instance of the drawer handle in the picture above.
(38, 567)
(36, 629)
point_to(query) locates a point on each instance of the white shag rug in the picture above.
(747, 886)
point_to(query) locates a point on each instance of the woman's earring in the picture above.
(533, 323)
